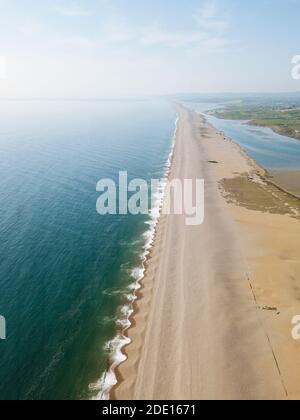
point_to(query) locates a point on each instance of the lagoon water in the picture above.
(65, 271)
(269, 149)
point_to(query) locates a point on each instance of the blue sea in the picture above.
(271, 150)
(66, 273)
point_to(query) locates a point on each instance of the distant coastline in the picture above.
(282, 120)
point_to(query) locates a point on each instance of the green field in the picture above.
(282, 118)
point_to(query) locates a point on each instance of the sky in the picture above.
(103, 48)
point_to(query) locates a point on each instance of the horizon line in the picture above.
(145, 96)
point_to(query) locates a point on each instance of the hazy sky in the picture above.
(93, 48)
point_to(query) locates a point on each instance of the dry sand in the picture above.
(214, 316)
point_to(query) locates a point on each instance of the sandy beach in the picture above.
(213, 318)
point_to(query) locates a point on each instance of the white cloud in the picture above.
(117, 30)
(172, 39)
(210, 31)
(30, 26)
(207, 11)
(116, 57)
(208, 18)
(71, 10)
(78, 42)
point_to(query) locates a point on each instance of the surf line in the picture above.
(117, 356)
(2, 328)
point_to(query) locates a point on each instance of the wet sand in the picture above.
(288, 180)
(213, 320)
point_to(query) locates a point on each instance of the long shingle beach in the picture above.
(213, 319)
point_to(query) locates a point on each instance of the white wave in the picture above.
(115, 346)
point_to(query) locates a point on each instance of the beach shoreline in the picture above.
(135, 379)
(118, 355)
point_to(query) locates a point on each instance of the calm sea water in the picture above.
(271, 150)
(64, 270)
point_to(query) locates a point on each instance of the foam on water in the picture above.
(115, 347)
